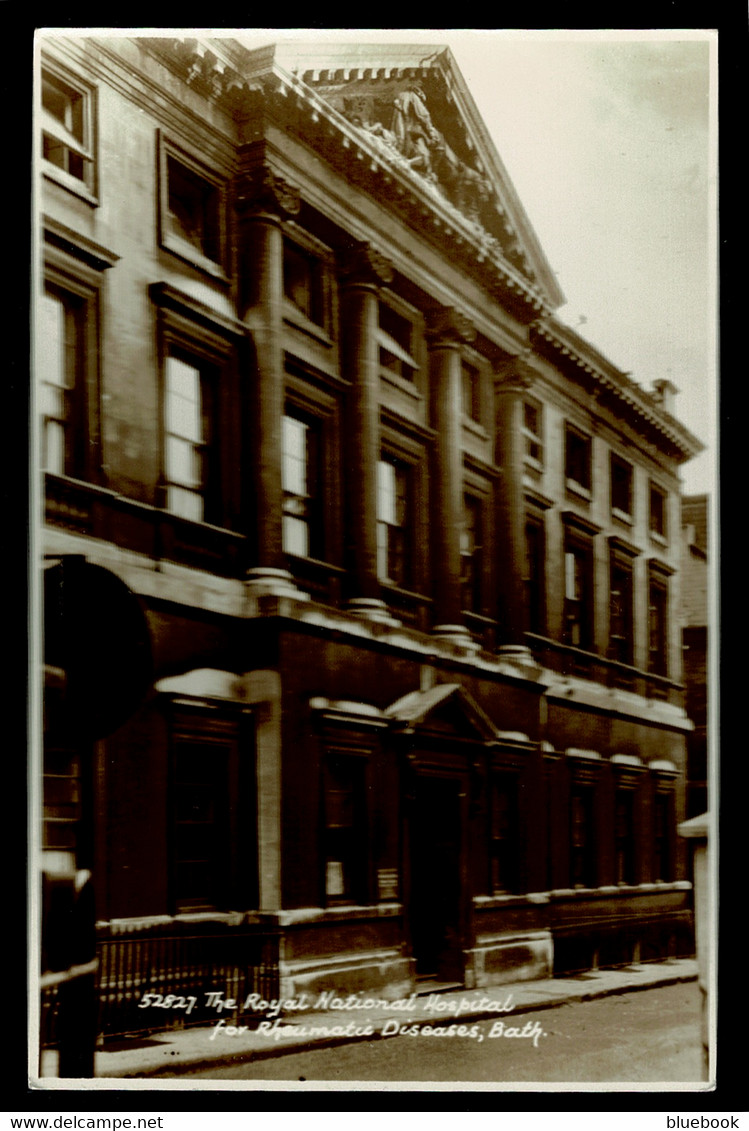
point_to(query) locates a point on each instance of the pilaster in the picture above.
(363, 272)
(511, 382)
(448, 330)
(263, 200)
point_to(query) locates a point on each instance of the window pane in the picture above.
(51, 341)
(64, 104)
(200, 817)
(382, 550)
(386, 492)
(299, 280)
(621, 486)
(184, 503)
(193, 208)
(570, 577)
(294, 456)
(183, 412)
(183, 379)
(182, 462)
(345, 825)
(296, 536)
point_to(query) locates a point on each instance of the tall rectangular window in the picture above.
(578, 594)
(535, 570)
(471, 390)
(621, 486)
(193, 209)
(621, 615)
(582, 835)
(624, 835)
(301, 491)
(60, 356)
(201, 809)
(505, 854)
(345, 851)
(67, 128)
(393, 521)
(533, 432)
(212, 829)
(304, 282)
(191, 458)
(662, 822)
(658, 500)
(577, 459)
(471, 554)
(658, 624)
(396, 343)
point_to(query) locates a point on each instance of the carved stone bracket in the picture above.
(449, 327)
(364, 265)
(262, 190)
(515, 375)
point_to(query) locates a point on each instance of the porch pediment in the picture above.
(447, 708)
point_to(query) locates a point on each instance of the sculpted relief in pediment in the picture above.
(404, 126)
(422, 131)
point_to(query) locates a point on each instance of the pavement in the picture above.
(257, 1034)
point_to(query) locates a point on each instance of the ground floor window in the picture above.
(662, 823)
(345, 828)
(582, 835)
(209, 793)
(504, 846)
(624, 836)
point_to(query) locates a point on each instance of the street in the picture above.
(652, 1036)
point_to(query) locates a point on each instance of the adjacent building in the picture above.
(695, 609)
(363, 622)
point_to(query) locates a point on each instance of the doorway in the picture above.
(435, 860)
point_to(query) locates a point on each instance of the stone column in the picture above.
(447, 331)
(262, 201)
(512, 380)
(364, 271)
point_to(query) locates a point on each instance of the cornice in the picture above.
(277, 93)
(566, 344)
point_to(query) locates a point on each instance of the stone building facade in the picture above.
(361, 568)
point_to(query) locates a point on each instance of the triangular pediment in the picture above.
(447, 709)
(413, 106)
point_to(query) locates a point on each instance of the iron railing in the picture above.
(179, 969)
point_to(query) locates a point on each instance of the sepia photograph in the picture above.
(374, 434)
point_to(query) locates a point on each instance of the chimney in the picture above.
(664, 394)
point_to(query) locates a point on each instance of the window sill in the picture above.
(475, 427)
(622, 516)
(401, 383)
(658, 539)
(406, 594)
(188, 254)
(532, 464)
(296, 318)
(577, 489)
(312, 563)
(71, 184)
